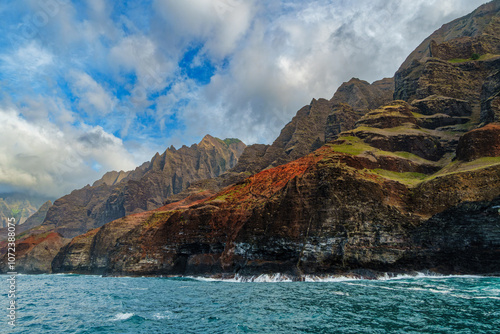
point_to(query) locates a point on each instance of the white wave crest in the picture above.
(122, 316)
(279, 277)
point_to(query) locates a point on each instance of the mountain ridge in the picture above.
(343, 188)
(147, 187)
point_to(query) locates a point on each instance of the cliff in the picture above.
(349, 205)
(357, 182)
(147, 187)
(456, 68)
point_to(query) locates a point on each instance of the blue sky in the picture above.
(92, 86)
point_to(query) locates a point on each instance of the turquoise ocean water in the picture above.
(94, 304)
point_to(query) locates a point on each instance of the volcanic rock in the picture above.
(462, 239)
(490, 99)
(477, 32)
(479, 143)
(35, 254)
(362, 96)
(120, 193)
(435, 104)
(292, 219)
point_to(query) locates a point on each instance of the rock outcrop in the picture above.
(479, 143)
(35, 253)
(456, 68)
(477, 33)
(464, 238)
(362, 96)
(444, 105)
(394, 128)
(490, 98)
(121, 193)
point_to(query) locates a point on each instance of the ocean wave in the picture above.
(163, 315)
(122, 316)
(280, 278)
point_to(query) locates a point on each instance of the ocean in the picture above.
(94, 304)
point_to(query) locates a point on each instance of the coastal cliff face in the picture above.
(121, 193)
(358, 182)
(346, 206)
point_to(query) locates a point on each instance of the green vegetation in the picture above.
(352, 145)
(407, 155)
(234, 191)
(160, 216)
(387, 131)
(222, 164)
(41, 236)
(417, 115)
(407, 178)
(36, 237)
(229, 141)
(473, 57)
(458, 166)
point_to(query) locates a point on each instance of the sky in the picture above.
(93, 86)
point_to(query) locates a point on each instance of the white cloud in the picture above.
(218, 24)
(92, 96)
(44, 159)
(27, 62)
(139, 55)
(39, 109)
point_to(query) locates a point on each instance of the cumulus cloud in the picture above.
(218, 24)
(92, 97)
(43, 159)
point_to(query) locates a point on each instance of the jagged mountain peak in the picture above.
(363, 96)
(147, 187)
(111, 178)
(477, 32)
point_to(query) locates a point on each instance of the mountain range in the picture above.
(399, 175)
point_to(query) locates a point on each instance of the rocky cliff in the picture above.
(456, 68)
(357, 182)
(360, 202)
(121, 193)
